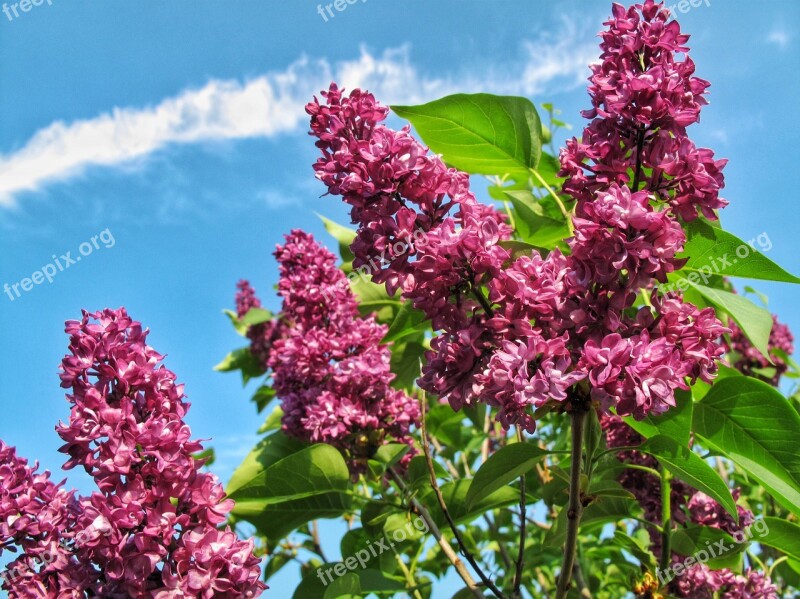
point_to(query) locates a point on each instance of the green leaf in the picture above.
(406, 322)
(535, 228)
(519, 248)
(272, 422)
(342, 234)
(480, 133)
(344, 587)
(751, 423)
(267, 452)
(599, 512)
(503, 467)
(455, 498)
(208, 454)
(405, 363)
(256, 316)
(634, 547)
(781, 535)
(755, 322)
(373, 299)
(675, 423)
(241, 359)
(716, 543)
(263, 397)
(713, 250)
(608, 488)
(391, 453)
(241, 328)
(279, 496)
(690, 468)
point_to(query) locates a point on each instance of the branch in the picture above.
(574, 507)
(522, 523)
(315, 539)
(496, 532)
(638, 173)
(437, 534)
(487, 307)
(411, 583)
(426, 448)
(666, 519)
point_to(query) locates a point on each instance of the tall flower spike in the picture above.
(162, 513)
(519, 333)
(328, 365)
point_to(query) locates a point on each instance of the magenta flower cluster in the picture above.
(38, 518)
(328, 365)
(749, 361)
(688, 507)
(520, 333)
(153, 528)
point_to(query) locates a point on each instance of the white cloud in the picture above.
(779, 37)
(270, 105)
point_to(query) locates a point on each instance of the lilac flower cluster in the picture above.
(522, 333)
(688, 506)
(749, 361)
(634, 174)
(39, 518)
(156, 518)
(642, 101)
(328, 365)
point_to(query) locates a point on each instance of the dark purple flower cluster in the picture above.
(328, 365)
(749, 361)
(153, 528)
(519, 333)
(688, 506)
(642, 101)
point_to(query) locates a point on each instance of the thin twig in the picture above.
(487, 307)
(574, 507)
(315, 539)
(496, 533)
(450, 466)
(555, 196)
(437, 534)
(487, 426)
(666, 519)
(522, 523)
(578, 573)
(440, 498)
(412, 584)
(639, 146)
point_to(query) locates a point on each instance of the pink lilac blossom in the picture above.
(39, 518)
(643, 99)
(749, 361)
(688, 506)
(127, 430)
(520, 332)
(328, 365)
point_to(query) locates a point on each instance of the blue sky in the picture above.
(178, 127)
